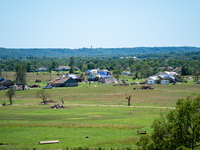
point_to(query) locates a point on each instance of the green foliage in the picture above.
(91, 65)
(71, 70)
(116, 73)
(72, 60)
(20, 74)
(28, 67)
(180, 129)
(10, 93)
(54, 65)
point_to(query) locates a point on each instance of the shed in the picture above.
(6, 83)
(63, 82)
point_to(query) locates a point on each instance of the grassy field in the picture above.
(101, 113)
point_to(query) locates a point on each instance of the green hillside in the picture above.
(65, 52)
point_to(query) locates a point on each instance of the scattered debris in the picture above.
(141, 132)
(37, 80)
(147, 87)
(57, 106)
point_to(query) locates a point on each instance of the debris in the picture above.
(57, 106)
(147, 87)
(37, 80)
(141, 132)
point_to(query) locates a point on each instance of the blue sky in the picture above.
(100, 23)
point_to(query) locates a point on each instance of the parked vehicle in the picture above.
(34, 85)
(47, 87)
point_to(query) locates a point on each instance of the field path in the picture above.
(29, 104)
(122, 106)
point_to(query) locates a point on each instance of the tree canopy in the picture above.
(181, 127)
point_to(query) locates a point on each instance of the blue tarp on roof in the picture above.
(87, 71)
(173, 78)
(102, 73)
(1, 79)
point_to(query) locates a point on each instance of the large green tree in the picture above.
(28, 67)
(117, 73)
(71, 61)
(20, 74)
(181, 128)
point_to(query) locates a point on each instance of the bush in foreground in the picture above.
(179, 130)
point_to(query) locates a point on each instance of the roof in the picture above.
(87, 71)
(63, 67)
(3, 81)
(152, 78)
(105, 70)
(102, 73)
(59, 80)
(73, 76)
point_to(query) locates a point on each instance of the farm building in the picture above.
(64, 81)
(78, 78)
(63, 68)
(6, 83)
(42, 69)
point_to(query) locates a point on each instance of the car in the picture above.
(34, 85)
(47, 87)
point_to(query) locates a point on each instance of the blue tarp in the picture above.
(102, 73)
(173, 78)
(1, 79)
(87, 71)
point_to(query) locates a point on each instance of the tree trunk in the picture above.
(10, 101)
(44, 101)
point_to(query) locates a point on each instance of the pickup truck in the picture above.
(47, 87)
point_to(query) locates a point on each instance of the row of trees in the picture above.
(190, 61)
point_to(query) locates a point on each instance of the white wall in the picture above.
(164, 82)
(151, 82)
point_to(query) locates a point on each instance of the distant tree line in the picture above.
(146, 64)
(90, 52)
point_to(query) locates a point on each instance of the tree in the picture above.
(179, 129)
(129, 99)
(42, 94)
(91, 65)
(84, 68)
(28, 67)
(116, 73)
(10, 93)
(20, 74)
(71, 70)
(54, 65)
(71, 61)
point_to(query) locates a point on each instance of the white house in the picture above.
(152, 80)
(92, 76)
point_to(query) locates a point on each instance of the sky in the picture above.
(99, 23)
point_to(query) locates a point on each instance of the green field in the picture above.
(101, 113)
